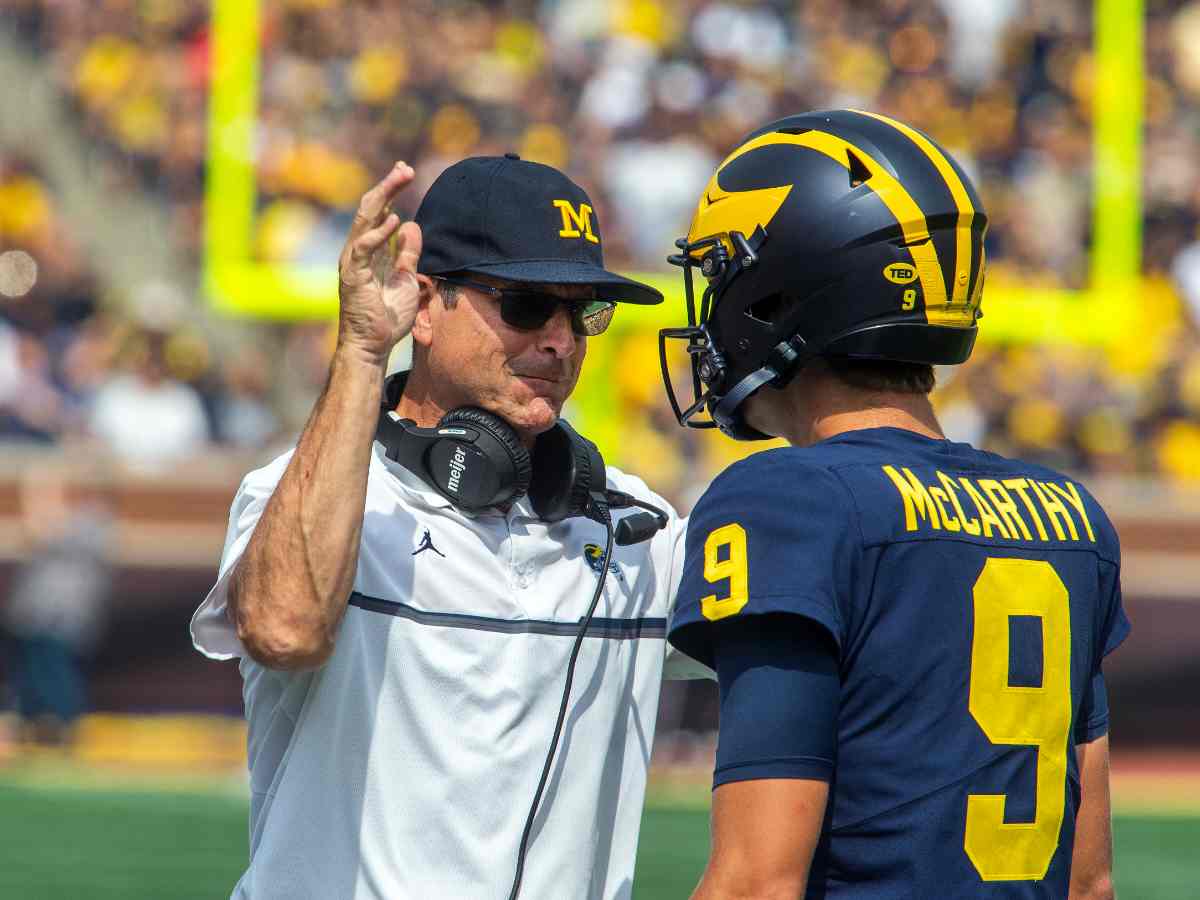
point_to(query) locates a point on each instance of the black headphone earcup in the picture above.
(507, 454)
(567, 467)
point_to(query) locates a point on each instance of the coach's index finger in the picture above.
(409, 247)
(374, 203)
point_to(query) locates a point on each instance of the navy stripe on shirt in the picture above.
(613, 629)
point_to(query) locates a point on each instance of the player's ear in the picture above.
(422, 330)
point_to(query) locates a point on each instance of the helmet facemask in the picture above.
(719, 381)
(722, 259)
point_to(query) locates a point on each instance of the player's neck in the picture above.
(907, 412)
(822, 408)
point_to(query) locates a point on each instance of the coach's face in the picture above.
(476, 358)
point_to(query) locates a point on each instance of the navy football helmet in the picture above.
(837, 233)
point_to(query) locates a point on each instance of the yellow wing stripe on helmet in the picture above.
(961, 306)
(718, 216)
(721, 212)
(738, 210)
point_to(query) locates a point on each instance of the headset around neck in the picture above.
(475, 459)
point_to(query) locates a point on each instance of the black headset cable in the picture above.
(601, 514)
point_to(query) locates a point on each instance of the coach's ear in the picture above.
(422, 330)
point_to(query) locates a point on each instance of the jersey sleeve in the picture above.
(780, 692)
(1116, 625)
(1112, 629)
(771, 535)
(1113, 624)
(1092, 722)
(212, 632)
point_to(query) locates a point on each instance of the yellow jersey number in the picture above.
(1034, 716)
(725, 559)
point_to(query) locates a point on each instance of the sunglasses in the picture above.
(529, 310)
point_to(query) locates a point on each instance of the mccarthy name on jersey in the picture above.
(991, 508)
(971, 599)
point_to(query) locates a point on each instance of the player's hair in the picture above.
(882, 375)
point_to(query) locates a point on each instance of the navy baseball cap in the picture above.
(520, 221)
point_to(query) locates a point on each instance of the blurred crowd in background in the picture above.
(638, 100)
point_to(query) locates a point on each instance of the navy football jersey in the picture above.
(971, 599)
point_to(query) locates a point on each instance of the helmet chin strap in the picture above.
(783, 363)
(725, 411)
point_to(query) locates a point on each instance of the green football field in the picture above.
(104, 842)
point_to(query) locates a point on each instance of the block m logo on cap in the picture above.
(576, 224)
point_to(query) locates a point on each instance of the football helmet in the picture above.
(832, 233)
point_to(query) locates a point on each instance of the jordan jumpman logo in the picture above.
(427, 544)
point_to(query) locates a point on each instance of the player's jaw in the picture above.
(766, 412)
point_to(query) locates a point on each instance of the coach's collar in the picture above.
(409, 483)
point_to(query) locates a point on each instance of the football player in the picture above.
(908, 631)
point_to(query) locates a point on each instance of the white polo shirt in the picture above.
(405, 766)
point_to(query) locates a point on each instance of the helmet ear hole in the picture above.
(767, 309)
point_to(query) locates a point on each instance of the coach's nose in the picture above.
(557, 336)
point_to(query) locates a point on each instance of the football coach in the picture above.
(405, 588)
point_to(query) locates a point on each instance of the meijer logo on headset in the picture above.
(458, 465)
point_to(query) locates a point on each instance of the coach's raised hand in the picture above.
(289, 590)
(378, 285)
